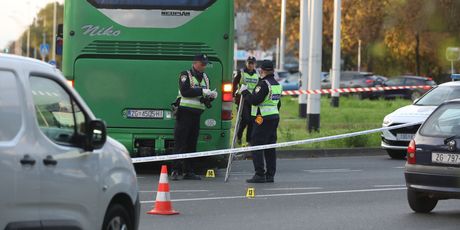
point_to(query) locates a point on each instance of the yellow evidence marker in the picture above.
(210, 173)
(250, 193)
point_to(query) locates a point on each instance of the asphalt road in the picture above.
(366, 192)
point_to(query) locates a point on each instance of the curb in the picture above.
(314, 153)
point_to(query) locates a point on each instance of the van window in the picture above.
(444, 122)
(58, 116)
(10, 106)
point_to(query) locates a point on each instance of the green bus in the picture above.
(124, 58)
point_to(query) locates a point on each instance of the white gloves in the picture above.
(243, 88)
(212, 94)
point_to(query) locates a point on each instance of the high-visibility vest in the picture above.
(249, 80)
(270, 105)
(194, 102)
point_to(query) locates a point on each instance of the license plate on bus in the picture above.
(405, 136)
(445, 158)
(144, 113)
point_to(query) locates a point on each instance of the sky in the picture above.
(15, 15)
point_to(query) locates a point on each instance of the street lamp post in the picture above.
(336, 54)
(314, 67)
(304, 48)
(282, 34)
(54, 32)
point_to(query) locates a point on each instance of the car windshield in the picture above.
(283, 75)
(439, 95)
(444, 122)
(292, 79)
(430, 82)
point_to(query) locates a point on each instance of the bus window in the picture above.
(153, 4)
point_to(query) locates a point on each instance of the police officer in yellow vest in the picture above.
(247, 76)
(195, 96)
(265, 101)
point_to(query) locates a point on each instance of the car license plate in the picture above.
(445, 158)
(405, 136)
(144, 113)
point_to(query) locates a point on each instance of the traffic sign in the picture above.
(44, 50)
(453, 53)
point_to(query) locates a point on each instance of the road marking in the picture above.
(332, 170)
(176, 191)
(389, 185)
(284, 194)
(400, 167)
(288, 189)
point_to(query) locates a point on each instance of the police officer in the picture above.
(247, 76)
(195, 96)
(265, 101)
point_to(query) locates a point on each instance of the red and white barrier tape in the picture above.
(353, 90)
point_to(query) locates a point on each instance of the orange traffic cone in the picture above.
(163, 205)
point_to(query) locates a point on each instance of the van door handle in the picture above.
(49, 160)
(27, 160)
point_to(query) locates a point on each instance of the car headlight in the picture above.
(387, 121)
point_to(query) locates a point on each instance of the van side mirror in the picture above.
(96, 135)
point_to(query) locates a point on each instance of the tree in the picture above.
(43, 23)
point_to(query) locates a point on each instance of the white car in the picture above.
(58, 168)
(395, 141)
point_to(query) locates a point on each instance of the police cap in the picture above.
(251, 59)
(267, 65)
(202, 58)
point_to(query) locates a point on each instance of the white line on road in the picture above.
(389, 185)
(284, 194)
(332, 170)
(399, 167)
(177, 191)
(289, 189)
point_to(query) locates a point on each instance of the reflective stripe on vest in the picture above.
(194, 102)
(249, 80)
(270, 105)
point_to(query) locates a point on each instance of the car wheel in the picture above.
(420, 202)
(397, 154)
(359, 96)
(415, 95)
(117, 218)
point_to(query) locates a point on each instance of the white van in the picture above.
(58, 168)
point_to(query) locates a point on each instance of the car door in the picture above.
(69, 176)
(394, 93)
(19, 171)
(411, 82)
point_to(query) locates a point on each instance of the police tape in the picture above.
(263, 147)
(353, 90)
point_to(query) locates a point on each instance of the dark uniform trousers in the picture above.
(186, 131)
(246, 122)
(261, 135)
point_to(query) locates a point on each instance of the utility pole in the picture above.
(277, 58)
(28, 31)
(304, 48)
(336, 53)
(53, 55)
(359, 55)
(314, 83)
(282, 34)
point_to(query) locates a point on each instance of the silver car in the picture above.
(58, 168)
